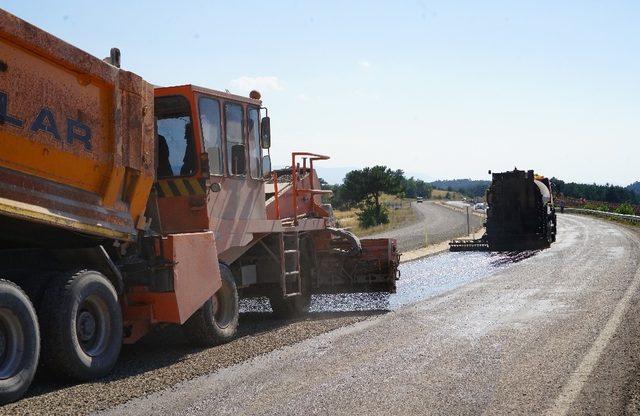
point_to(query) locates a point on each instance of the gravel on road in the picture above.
(164, 359)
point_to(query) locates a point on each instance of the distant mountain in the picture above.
(634, 187)
(470, 187)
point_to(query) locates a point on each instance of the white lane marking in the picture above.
(578, 379)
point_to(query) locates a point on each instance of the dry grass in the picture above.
(399, 217)
(440, 194)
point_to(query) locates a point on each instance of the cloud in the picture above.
(302, 97)
(364, 64)
(264, 83)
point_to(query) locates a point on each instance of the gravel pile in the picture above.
(164, 359)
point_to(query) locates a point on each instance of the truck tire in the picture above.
(19, 342)
(550, 234)
(216, 322)
(81, 325)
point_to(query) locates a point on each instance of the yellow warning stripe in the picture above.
(164, 186)
(180, 187)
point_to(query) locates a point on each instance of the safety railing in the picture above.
(603, 214)
(296, 170)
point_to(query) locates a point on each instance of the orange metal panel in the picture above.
(196, 276)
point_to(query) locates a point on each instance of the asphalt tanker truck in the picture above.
(520, 214)
(125, 206)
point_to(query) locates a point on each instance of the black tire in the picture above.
(19, 342)
(81, 326)
(216, 322)
(550, 235)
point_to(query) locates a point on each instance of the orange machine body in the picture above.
(251, 211)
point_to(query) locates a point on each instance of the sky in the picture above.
(440, 89)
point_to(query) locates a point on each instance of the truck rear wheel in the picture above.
(81, 325)
(550, 234)
(216, 322)
(19, 342)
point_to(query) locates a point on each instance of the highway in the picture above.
(551, 332)
(435, 224)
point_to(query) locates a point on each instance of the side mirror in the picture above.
(266, 165)
(265, 128)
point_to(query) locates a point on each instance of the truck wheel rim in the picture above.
(93, 325)
(223, 310)
(12, 344)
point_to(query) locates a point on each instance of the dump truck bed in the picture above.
(77, 142)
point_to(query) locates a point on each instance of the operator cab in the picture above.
(210, 163)
(196, 123)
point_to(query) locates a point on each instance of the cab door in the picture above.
(180, 188)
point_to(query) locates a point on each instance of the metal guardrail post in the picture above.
(468, 222)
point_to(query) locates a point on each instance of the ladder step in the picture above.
(315, 191)
(291, 251)
(288, 295)
(293, 273)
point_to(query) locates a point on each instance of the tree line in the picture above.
(593, 192)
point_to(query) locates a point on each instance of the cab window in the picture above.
(211, 133)
(233, 115)
(176, 151)
(255, 152)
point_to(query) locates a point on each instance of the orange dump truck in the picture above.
(124, 206)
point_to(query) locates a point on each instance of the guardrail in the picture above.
(603, 214)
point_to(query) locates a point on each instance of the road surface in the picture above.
(435, 224)
(555, 332)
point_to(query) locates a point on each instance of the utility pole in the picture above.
(468, 224)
